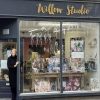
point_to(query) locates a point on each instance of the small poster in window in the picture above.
(3, 64)
(77, 47)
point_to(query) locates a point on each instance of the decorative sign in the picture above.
(43, 8)
(52, 9)
(65, 9)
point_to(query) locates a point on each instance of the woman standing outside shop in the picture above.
(12, 67)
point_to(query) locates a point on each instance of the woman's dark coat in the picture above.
(12, 73)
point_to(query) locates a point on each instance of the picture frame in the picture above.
(77, 46)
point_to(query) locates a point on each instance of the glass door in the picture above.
(5, 52)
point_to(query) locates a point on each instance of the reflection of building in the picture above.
(58, 52)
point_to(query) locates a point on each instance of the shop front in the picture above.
(58, 46)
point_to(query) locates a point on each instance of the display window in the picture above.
(43, 45)
(41, 59)
(81, 56)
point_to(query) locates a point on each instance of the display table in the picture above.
(56, 76)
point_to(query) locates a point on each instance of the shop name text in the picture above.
(51, 9)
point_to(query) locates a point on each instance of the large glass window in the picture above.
(41, 44)
(41, 56)
(81, 56)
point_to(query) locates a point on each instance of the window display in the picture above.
(41, 56)
(81, 40)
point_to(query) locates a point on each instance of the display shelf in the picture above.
(54, 78)
(55, 75)
(45, 75)
(65, 74)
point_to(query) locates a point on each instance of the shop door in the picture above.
(5, 51)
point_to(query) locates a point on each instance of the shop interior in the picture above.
(41, 47)
(5, 52)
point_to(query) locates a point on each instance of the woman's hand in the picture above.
(16, 64)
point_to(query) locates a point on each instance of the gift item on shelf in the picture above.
(41, 43)
(42, 85)
(90, 65)
(37, 48)
(94, 84)
(93, 43)
(71, 84)
(54, 64)
(39, 64)
(54, 46)
(65, 66)
(53, 84)
(34, 55)
(46, 49)
(40, 37)
(77, 65)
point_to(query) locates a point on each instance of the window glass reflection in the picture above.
(81, 56)
(41, 56)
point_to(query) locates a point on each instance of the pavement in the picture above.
(75, 98)
(5, 99)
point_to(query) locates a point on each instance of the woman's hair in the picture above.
(14, 49)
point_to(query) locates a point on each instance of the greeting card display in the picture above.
(54, 64)
(45, 85)
(71, 84)
(42, 85)
(77, 64)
